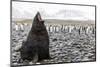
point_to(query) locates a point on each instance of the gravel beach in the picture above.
(64, 46)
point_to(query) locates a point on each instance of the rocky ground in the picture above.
(64, 47)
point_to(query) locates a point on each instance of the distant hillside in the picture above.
(58, 21)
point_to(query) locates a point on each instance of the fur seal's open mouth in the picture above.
(38, 16)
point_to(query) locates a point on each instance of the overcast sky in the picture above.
(52, 11)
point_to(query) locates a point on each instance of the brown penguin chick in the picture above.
(36, 47)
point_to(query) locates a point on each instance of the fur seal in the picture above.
(36, 46)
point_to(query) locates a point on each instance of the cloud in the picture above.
(52, 11)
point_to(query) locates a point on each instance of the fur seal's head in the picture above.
(38, 17)
(38, 23)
